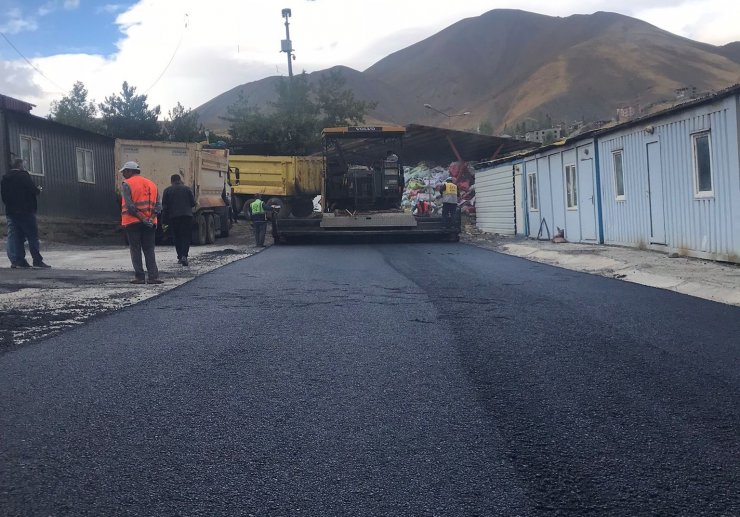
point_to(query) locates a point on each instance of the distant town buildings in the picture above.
(542, 135)
(686, 93)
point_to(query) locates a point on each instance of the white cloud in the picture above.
(109, 8)
(71, 4)
(48, 8)
(17, 22)
(239, 41)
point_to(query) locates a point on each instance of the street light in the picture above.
(286, 45)
(449, 117)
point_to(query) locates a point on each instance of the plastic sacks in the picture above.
(424, 183)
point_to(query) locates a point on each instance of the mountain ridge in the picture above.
(510, 68)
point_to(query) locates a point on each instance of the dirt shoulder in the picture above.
(92, 278)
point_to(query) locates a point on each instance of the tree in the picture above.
(182, 125)
(129, 116)
(486, 128)
(298, 114)
(76, 110)
(337, 104)
(295, 118)
(247, 124)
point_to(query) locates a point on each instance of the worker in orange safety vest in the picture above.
(139, 208)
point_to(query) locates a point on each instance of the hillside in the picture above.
(507, 66)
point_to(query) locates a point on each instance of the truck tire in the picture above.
(225, 223)
(210, 229)
(302, 207)
(199, 231)
(283, 211)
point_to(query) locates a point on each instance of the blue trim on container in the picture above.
(599, 214)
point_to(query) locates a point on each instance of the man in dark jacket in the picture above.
(19, 195)
(177, 211)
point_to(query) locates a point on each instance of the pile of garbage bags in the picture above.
(423, 184)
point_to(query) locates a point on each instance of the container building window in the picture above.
(31, 154)
(571, 187)
(702, 164)
(534, 202)
(85, 169)
(618, 174)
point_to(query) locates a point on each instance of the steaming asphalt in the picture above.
(389, 379)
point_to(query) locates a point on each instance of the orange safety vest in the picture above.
(144, 195)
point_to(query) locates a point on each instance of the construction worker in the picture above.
(449, 201)
(258, 216)
(139, 208)
(177, 212)
(19, 195)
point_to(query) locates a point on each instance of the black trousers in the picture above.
(182, 229)
(260, 229)
(141, 239)
(448, 213)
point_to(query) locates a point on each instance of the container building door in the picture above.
(655, 194)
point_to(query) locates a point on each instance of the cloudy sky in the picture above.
(189, 51)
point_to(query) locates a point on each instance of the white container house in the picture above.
(669, 181)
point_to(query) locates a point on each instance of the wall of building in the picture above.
(64, 196)
(494, 200)
(660, 208)
(579, 222)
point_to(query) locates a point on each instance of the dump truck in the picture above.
(360, 191)
(288, 182)
(203, 169)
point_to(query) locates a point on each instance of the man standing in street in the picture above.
(449, 201)
(259, 220)
(139, 208)
(19, 195)
(177, 211)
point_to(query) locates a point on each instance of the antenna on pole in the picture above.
(286, 45)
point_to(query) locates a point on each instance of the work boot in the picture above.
(155, 281)
(184, 261)
(41, 265)
(138, 281)
(21, 265)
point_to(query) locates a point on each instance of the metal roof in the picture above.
(10, 103)
(433, 145)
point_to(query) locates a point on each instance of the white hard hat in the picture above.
(129, 165)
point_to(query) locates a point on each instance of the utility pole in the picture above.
(286, 45)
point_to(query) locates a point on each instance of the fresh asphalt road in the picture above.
(389, 379)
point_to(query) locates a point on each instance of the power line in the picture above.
(182, 36)
(61, 90)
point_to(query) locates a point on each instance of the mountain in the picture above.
(507, 67)
(731, 51)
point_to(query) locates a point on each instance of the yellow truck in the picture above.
(203, 169)
(291, 182)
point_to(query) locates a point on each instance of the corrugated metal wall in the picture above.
(64, 196)
(549, 167)
(704, 227)
(494, 200)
